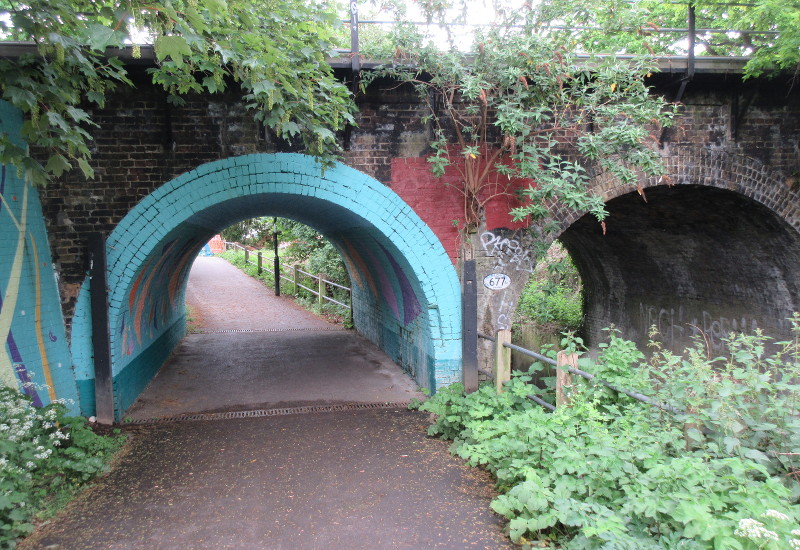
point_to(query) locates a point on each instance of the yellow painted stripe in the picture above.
(12, 293)
(48, 376)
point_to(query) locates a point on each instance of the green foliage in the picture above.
(767, 31)
(318, 254)
(611, 472)
(553, 295)
(275, 51)
(45, 457)
(527, 106)
(254, 231)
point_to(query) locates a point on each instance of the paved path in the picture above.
(351, 479)
(224, 298)
(293, 357)
(325, 481)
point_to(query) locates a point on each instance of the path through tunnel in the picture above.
(691, 261)
(406, 296)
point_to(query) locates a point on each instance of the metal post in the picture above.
(103, 379)
(355, 59)
(502, 361)
(469, 328)
(276, 263)
(692, 21)
(260, 262)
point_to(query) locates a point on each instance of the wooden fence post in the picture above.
(260, 263)
(563, 377)
(296, 278)
(246, 256)
(321, 289)
(502, 359)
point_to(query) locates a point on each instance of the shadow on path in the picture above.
(345, 480)
(287, 357)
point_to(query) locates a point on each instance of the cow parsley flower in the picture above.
(754, 530)
(775, 514)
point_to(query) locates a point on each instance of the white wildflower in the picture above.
(794, 543)
(754, 530)
(775, 514)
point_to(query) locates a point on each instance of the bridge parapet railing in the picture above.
(297, 277)
(566, 365)
(700, 37)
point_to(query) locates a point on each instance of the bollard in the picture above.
(502, 359)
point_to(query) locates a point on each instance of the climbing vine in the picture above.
(525, 105)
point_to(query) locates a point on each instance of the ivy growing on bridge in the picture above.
(527, 106)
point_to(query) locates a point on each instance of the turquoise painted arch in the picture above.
(406, 293)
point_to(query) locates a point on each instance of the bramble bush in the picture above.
(45, 456)
(611, 472)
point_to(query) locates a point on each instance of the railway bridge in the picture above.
(714, 250)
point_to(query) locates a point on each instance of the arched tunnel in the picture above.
(691, 260)
(406, 294)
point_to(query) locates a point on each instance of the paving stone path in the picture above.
(351, 479)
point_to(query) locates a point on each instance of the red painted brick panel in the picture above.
(439, 202)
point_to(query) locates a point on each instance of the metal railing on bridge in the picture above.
(684, 46)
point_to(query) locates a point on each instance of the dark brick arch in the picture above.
(715, 251)
(720, 169)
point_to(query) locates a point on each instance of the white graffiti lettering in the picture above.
(508, 253)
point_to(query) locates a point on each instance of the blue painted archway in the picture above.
(406, 293)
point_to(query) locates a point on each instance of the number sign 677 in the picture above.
(497, 281)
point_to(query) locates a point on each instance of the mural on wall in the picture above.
(368, 261)
(153, 301)
(34, 357)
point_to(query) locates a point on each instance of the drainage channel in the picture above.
(223, 331)
(272, 412)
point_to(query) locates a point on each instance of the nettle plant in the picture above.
(610, 472)
(525, 106)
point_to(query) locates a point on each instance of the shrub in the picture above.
(45, 457)
(611, 472)
(553, 295)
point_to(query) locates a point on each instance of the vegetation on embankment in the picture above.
(606, 471)
(549, 305)
(45, 458)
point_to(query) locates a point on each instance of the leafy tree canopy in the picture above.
(274, 49)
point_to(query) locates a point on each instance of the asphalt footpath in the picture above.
(354, 479)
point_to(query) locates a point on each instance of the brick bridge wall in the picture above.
(735, 149)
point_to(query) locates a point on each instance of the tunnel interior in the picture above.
(693, 261)
(401, 276)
